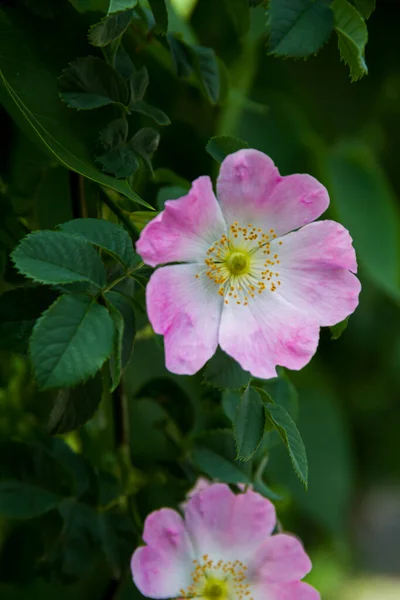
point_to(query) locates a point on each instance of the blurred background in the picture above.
(309, 118)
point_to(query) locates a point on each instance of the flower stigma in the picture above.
(218, 580)
(238, 262)
(244, 263)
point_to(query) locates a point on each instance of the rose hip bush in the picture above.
(184, 209)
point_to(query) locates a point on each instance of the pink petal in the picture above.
(281, 559)
(163, 568)
(251, 190)
(291, 591)
(187, 311)
(226, 526)
(266, 333)
(159, 575)
(165, 530)
(321, 245)
(313, 272)
(185, 229)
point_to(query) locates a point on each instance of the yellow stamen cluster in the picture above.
(243, 264)
(218, 580)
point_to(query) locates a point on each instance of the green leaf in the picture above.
(181, 56)
(125, 307)
(365, 7)
(114, 135)
(289, 433)
(215, 453)
(86, 5)
(67, 135)
(239, 13)
(359, 189)
(282, 390)
(249, 424)
(298, 28)
(160, 14)
(337, 330)
(19, 309)
(352, 35)
(154, 113)
(199, 59)
(120, 162)
(138, 84)
(91, 83)
(145, 143)
(230, 402)
(204, 62)
(112, 238)
(53, 257)
(19, 500)
(224, 372)
(123, 62)
(221, 145)
(110, 28)
(118, 5)
(71, 341)
(73, 407)
(115, 359)
(121, 310)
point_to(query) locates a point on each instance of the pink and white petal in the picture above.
(280, 559)
(165, 530)
(185, 230)
(320, 245)
(246, 179)
(286, 591)
(226, 526)
(295, 201)
(330, 296)
(266, 333)
(253, 521)
(313, 272)
(251, 190)
(208, 518)
(158, 574)
(187, 311)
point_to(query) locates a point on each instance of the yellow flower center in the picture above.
(215, 589)
(244, 263)
(238, 262)
(218, 580)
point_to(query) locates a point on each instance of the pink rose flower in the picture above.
(222, 550)
(245, 282)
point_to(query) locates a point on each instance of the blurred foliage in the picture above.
(93, 460)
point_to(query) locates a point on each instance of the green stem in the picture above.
(114, 283)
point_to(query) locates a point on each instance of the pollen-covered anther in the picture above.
(233, 263)
(218, 580)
